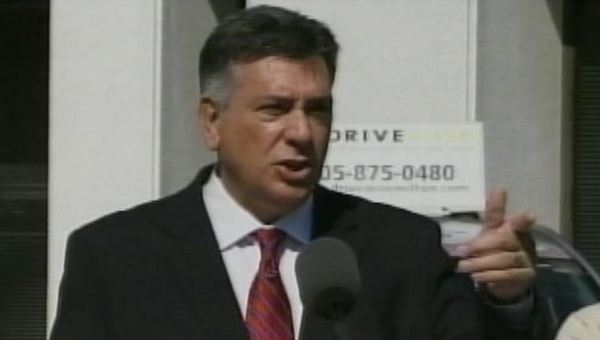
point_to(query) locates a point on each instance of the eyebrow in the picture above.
(320, 100)
(309, 101)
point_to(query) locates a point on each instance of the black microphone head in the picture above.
(328, 278)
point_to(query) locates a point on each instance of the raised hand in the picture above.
(497, 258)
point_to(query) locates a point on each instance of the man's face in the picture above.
(271, 136)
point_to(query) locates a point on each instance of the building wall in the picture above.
(522, 99)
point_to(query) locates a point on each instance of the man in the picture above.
(215, 261)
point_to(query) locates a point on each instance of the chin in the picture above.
(291, 195)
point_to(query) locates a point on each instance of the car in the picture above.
(565, 280)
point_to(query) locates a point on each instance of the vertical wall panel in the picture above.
(520, 100)
(104, 115)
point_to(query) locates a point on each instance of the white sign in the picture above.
(458, 230)
(433, 169)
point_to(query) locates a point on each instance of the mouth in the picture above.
(296, 164)
(295, 169)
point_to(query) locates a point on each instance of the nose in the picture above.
(298, 128)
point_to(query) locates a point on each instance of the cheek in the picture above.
(255, 141)
(321, 139)
(268, 135)
(239, 131)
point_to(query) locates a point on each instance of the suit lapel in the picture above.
(198, 266)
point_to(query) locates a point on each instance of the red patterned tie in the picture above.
(269, 316)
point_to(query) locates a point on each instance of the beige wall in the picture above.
(523, 98)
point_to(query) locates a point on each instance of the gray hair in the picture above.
(259, 32)
(217, 88)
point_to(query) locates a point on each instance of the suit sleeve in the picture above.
(455, 313)
(456, 299)
(523, 320)
(80, 312)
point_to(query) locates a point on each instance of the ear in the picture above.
(209, 118)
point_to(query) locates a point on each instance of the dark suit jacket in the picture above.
(155, 272)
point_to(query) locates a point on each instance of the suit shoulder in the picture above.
(126, 223)
(380, 214)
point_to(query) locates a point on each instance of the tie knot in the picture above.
(269, 241)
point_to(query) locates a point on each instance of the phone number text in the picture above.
(388, 172)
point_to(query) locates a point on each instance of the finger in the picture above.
(504, 276)
(521, 222)
(496, 261)
(495, 208)
(503, 239)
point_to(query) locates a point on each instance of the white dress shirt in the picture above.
(583, 324)
(233, 224)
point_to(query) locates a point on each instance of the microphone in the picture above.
(328, 281)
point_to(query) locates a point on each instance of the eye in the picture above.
(321, 110)
(272, 109)
(275, 108)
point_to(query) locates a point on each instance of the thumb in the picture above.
(521, 222)
(495, 208)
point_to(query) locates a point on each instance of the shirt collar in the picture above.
(232, 222)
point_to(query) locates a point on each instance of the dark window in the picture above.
(586, 137)
(24, 26)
